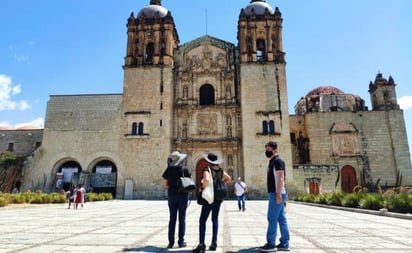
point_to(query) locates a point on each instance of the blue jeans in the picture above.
(177, 204)
(276, 214)
(204, 214)
(241, 201)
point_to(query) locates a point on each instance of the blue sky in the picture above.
(56, 47)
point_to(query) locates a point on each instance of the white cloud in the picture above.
(7, 90)
(21, 58)
(38, 123)
(405, 102)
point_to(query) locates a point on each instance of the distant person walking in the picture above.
(277, 196)
(240, 191)
(78, 196)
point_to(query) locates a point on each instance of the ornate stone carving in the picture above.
(206, 124)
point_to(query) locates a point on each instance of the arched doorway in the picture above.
(68, 175)
(104, 177)
(314, 187)
(348, 181)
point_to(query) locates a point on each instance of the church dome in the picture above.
(258, 7)
(324, 90)
(153, 10)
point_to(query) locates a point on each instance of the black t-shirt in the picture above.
(278, 164)
(172, 174)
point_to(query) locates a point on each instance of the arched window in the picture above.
(207, 95)
(141, 128)
(265, 127)
(271, 127)
(260, 50)
(149, 53)
(134, 128)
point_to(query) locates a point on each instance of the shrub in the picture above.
(308, 198)
(334, 198)
(320, 199)
(17, 198)
(372, 201)
(2, 201)
(352, 199)
(400, 203)
(57, 197)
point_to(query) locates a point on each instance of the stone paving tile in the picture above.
(141, 226)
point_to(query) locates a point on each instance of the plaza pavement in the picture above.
(141, 226)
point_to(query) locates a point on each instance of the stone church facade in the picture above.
(209, 95)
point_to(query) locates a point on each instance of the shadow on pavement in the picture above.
(150, 249)
(250, 250)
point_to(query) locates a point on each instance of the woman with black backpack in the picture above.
(220, 178)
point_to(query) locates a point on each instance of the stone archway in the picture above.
(348, 178)
(67, 175)
(104, 177)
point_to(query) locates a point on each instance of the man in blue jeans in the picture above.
(240, 192)
(277, 197)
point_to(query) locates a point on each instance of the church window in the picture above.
(134, 128)
(207, 95)
(10, 148)
(161, 106)
(271, 127)
(293, 138)
(161, 123)
(162, 48)
(149, 53)
(140, 129)
(260, 50)
(265, 127)
(386, 97)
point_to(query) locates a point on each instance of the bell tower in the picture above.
(383, 94)
(263, 90)
(151, 36)
(147, 105)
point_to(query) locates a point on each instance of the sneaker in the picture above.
(280, 247)
(170, 245)
(213, 246)
(201, 248)
(182, 245)
(267, 248)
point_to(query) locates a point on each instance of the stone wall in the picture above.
(82, 128)
(23, 141)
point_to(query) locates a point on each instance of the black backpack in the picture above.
(219, 187)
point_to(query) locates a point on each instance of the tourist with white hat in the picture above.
(177, 201)
(213, 172)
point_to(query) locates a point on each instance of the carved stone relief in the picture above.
(207, 124)
(205, 58)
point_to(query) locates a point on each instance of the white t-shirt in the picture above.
(240, 188)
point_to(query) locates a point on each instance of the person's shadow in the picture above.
(249, 250)
(157, 250)
(153, 249)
